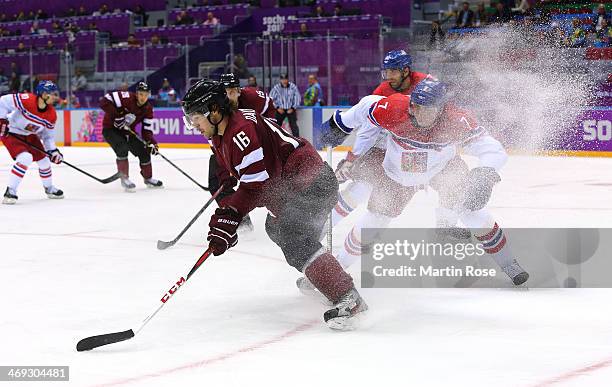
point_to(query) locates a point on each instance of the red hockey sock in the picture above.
(327, 275)
(123, 166)
(146, 170)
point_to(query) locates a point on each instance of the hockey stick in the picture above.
(103, 181)
(169, 162)
(92, 342)
(161, 245)
(329, 217)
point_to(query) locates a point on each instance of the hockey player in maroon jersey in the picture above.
(30, 118)
(123, 110)
(286, 175)
(240, 98)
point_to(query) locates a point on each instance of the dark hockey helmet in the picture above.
(143, 86)
(229, 80)
(202, 96)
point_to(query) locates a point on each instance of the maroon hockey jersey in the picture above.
(251, 98)
(269, 163)
(119, 103)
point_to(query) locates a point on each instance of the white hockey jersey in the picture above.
(21, 110)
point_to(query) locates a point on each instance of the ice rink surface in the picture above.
(88, 265)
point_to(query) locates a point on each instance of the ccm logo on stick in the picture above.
(173, 290)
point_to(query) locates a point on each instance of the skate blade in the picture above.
(151, 186)
(9, 201)
(130, 190)
(50, 196)
(346, 323)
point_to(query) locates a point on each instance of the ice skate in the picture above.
(308, 289)
(343, 315)
(127, 184)
(10, 196)
(153, 183)
(517, 274)
(54, 193)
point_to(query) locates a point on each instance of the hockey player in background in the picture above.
(286, 175)
(123, 110)
(240, 98)
(398, 77)
(30, 118)
(425, 131)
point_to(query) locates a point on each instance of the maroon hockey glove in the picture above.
(56, 156)
(4, 127)
(223, 230)
(152, 146)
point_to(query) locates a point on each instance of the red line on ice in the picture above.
(575, 373)
(217, 359)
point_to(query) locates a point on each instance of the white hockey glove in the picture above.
(56, 156)
(343, 171)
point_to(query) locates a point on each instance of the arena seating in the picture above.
(132, 58)
(225, 13)
(363, 23)
(59, 8)
(176, 34)
(396, 10)
(42, 62)
(116, 24)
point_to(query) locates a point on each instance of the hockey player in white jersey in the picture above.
(27, 121)
(425, 132)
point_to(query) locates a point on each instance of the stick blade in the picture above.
(111, 178)
(161, 245)
(92, 342)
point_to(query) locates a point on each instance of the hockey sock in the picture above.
(22, 163)
(348, 199)
(351, 251)
(146, 170)
(123, 166)
(44, 170)
(327, 275)
(490, 235)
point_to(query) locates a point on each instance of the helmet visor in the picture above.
(193, 120)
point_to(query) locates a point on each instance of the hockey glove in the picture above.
(119, 122)
(343, 171)
(56, 156)
(150, 141)
(331, 133)
(223, 230)
(479, 186)
(4, 127)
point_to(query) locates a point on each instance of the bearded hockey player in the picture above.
(123, 110)
(425, 132)
(30, 119)
(286, 175)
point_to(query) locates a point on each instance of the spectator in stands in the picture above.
(41, 15)
(501, 14)
(21, 47)
(304, 33)
(49, 46)
(319, 12)
(56, 28)
(79, 82)
(522, 8)
(252, 82)
(103, 9)
(184, 19)
(437, 34)
(577, 36)
(14, 83)
(600, 17)
(465, 17)
(123, 87)
(211, 20)
(132, 42)
(603, 37)
(239, 67)
(30, 84)
(313, 96)
(34, 28)
(92, 27)
(286, 98)
(82, 11)
(142, 14)
(338, 11)
(480, 16)
(3, 18)
(31, 15)
(166, 90)
(4, 85)
(71, 12)
(20, 16)
(15, 69)
(155, 40)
